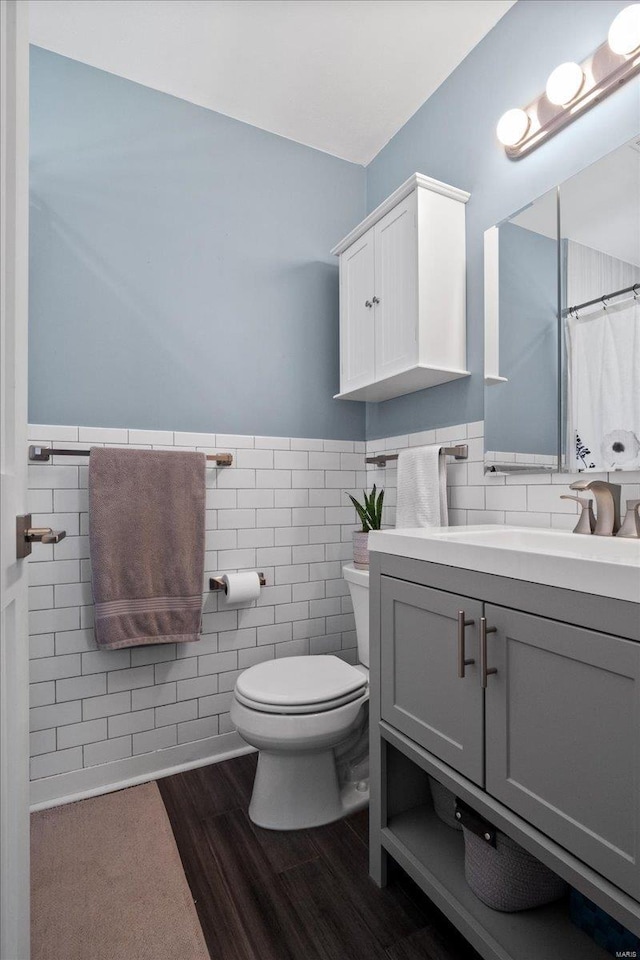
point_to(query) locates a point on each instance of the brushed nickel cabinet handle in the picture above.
(462, 662)
(484, 670)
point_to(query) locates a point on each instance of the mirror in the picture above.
(562, 326)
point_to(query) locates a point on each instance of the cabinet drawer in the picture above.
(563, 737)
(422, 693)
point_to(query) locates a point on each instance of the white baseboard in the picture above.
(106, 777)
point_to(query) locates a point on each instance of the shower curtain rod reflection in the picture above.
(603, 301)
(42, 455)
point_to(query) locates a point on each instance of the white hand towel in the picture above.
(422, 488)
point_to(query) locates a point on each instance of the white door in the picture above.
(14, 651)
(396, 289)
(357, 323)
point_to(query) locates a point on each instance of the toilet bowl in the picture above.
(308, 717)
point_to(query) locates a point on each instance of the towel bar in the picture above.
(460, 452)
(42, 454)
(217, 583)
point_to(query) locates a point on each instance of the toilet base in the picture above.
(293, 791)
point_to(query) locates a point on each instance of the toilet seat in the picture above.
(300, 685)
(301, 708)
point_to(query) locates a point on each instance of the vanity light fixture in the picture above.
(572, 88)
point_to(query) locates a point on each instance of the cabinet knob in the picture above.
(485, 671)
(368, 303)
(376, 300)
(462, 662)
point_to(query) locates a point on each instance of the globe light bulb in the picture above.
(564, 83)
(512, 126)
(624, 32)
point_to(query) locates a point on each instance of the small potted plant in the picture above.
(370, 514)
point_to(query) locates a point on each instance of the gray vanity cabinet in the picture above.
(423, 695)
(563, 736)
(547, 749)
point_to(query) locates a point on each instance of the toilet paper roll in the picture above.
(242, 587)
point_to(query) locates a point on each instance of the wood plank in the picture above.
(253, 909)
(207, 887)
(214, 789)
(337, 930)
(431, 944)
(345, 858)
(285, 849)
(359, 823)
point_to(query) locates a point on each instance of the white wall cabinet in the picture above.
(402, 294)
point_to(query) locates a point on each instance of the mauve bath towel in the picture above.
(146, 538)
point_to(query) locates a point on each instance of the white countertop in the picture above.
(603, 566)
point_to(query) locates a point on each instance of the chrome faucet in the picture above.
(607, 496)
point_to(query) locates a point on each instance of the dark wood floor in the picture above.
(303, 895)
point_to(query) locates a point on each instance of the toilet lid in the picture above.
(309, 682)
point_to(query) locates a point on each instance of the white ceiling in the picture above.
(339, 75)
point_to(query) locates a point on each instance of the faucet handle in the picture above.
(631, 523)
(587, 520)
(579, 485)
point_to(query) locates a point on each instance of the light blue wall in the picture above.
(452, 138)
(522, 414)
(180, 268)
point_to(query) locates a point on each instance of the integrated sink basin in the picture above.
(604, 566)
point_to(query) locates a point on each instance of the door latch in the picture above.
(26, 535)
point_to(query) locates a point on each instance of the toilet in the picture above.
(309, 719)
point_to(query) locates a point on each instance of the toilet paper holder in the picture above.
(217, 583)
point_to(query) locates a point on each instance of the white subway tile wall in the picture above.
(476, 497)
(281, 508)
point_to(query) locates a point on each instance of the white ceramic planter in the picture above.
(360, 549)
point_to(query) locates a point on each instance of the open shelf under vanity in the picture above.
(432, 853)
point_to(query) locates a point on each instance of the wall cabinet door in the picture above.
(357, 320)
(422, 694)
(563, 737)
(396, 290)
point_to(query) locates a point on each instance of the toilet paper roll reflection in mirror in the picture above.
(241, 587)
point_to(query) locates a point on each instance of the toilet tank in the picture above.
(358, 583)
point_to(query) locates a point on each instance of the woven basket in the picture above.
(506, 877)
(444, 804)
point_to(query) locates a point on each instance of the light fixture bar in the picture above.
(604, 72)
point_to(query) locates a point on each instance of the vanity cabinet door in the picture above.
(421, 692)
(563, 737)
(357, 314)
